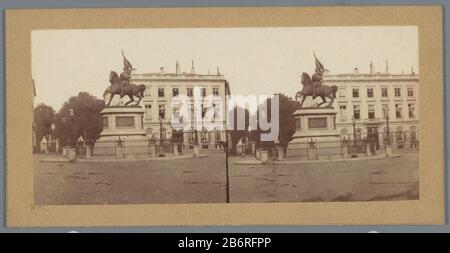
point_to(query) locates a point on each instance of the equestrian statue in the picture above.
(314, 87)
(121, 85)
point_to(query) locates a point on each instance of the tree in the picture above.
(43, 118)
(235, 134)
(80, 116)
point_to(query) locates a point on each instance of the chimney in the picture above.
(161, 70)
(372, 69)
(177, 68)
(192, 68)
(386, 71)
(412, 71)
(218, 72)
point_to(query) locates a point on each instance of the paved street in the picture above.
(198, 180)
(202, 180)
(366, 180)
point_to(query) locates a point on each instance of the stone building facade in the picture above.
(162, 87)
(368, 102)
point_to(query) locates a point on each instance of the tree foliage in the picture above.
(79, 116)
(43, 118)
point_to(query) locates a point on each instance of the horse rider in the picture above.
(125, 76)
(317, 78)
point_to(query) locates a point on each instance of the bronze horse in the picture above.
(130, 90)
(323, 91)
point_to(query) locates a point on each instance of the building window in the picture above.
(218, 136)
(190, 92)
(411, 109)
(216, 91)
(105, 122)
(175, 92)
(161, 92)
(342, 92)
(410, 92)
(298, 124)
(204, 135)
(203, 92)
(371, 111)
(147, 92)
(344, 133)
(384, 92)
(162, 112)
(356, 112)
(370, 92)
(191, 137)
(355, 93)
(385, 110)
(397, 92)
(398, 111)
(343, 112)
(148, 111)
(399, 134)
(413, 133)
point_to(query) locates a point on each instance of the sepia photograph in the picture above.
(225, 115)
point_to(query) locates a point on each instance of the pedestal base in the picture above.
(123, 132)
(316, 136)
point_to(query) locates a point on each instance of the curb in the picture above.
(93, 160)
(256, 162)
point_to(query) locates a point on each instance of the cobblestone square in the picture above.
(203, 180)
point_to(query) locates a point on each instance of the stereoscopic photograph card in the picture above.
(264, 116)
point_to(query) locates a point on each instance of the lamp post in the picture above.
(160, 132)
(52, 127)
(64, 123)
(388, 147)
(354, 131)
(388, 130)
(72, 138)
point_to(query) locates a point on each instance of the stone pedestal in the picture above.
(72, 153)
(345, 151)
(152, 150)
(175, 150)
(196, 151)
(264, 156)
(122, 126)
(120, 152)
(65, 151)
(316, 136)
(88, 151)
(280, 154)
(368, 153)
(388, 149)
(258, 154)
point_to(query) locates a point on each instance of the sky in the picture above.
(253, 60)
